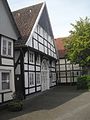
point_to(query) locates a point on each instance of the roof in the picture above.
(25, 19)
(60, 47)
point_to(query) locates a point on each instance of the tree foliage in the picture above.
(78, 43)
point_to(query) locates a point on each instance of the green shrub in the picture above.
(16, 104)
(83, 82)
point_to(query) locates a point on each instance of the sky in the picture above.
(61, 12)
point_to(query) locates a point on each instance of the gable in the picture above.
(44, 21)
(41, 37)
(7, 26)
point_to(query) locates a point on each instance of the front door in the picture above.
(45, 75)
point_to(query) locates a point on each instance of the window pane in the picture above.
(31, 79)
(4, 47)
(38, 78)
(31, 57)
(38, 59)
(9, 48)
(5, 81)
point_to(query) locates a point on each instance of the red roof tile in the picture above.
(60, 47)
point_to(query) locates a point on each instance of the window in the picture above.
(4, 80)
(38, 59)
(31, 78)
(7, 47)
(4, 47)
(31, 57)
(38, 78)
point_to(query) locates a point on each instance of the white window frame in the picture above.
(31, 79)
(4, 71)
(38, 59)
(38, 78)
(31, 57)
(7, 47)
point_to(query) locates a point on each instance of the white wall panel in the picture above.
(31, 90)
(26, 58)
(37, 68)
(26, 92)
(31, 67)
(17, 70)
(39, 88)
(26, 79)
(63, 80)
(35, 44)
(25, 66)
(17, 54)
(7, 96)
(7, 61)
(45, 50)
(41, 48)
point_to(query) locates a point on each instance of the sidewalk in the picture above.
(59, 103)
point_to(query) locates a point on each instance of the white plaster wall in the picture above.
(17, 54)
(63, 80)
(62, 61)
(76, 67)
(25, 67)
(17, 70)
(35, 44)
(26, 92)
(31, 90)
(37, 68)
(26, 58)
(62, 67)
(7, 61)
(6, 26)
(69, 67)
(31, 67)
(7, 96)
(26, 79)
(38, 88)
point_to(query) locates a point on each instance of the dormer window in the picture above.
(6, 47)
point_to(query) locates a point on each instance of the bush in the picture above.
(83, 82)
(16, 104)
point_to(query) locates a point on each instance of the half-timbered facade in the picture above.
(35, 53)
(66, 71)
(8, 35)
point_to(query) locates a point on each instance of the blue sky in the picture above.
(61, 12)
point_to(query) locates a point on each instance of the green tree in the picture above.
(78, 43)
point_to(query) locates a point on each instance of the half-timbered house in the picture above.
(8, 35)
(67, 72)
(35, 53)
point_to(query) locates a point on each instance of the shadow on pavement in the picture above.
(46, 101)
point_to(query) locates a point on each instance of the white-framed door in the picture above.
(45, 81)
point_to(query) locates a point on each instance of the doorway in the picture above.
(45, 81)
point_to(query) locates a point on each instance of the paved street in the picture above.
(59, 103)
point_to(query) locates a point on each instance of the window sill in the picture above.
(7, 56)
(5, 91)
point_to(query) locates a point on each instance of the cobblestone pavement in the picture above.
(58, 103)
